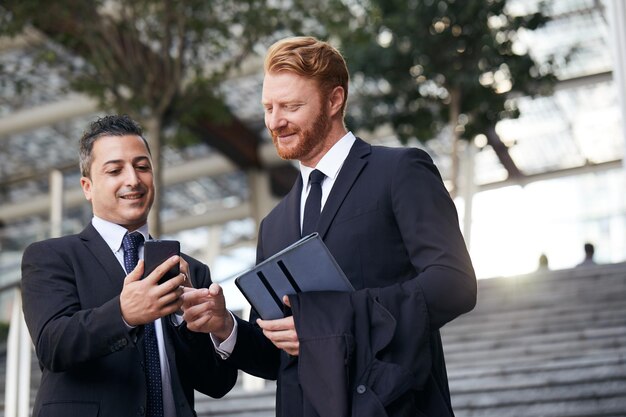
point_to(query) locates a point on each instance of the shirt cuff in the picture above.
(225, 348)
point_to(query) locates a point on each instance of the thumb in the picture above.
(135, 274)
(215, 289)
(286, 300)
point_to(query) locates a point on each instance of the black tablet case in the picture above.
(307, 265)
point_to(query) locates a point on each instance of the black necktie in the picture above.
(313, 205)
(131, 243)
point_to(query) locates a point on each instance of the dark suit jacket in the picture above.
(91, 362)
(391, 225)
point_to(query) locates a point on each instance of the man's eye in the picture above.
(143, 168)
(113, 172)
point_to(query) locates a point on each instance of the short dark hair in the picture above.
(111, 125)
(589, 249)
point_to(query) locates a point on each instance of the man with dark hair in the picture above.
(108, 342)
(388, 220)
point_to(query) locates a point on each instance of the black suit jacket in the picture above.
(91, 361)
(390, 224)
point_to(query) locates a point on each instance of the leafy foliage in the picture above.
(413, 61)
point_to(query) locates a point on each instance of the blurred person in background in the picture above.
(589, 252)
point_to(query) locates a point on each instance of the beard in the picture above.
(308, 140)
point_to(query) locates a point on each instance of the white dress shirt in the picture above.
(330, 165)
(113, 234)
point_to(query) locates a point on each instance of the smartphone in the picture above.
(155, 252)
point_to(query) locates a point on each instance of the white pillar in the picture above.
(616, 14)
(214, 244)
(56, 203)
(469, 189)
(19, 350)
(260, 194)
(12, 372)
(26, 352)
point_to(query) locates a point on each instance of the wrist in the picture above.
(227, 328)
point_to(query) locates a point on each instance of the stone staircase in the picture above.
(545, 344)
(549, 344)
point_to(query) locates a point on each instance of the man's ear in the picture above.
(85, 184)
(337, 98)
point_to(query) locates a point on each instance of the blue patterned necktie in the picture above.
(313, 205)
(131, 244)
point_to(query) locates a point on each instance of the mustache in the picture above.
(138, 189)
(284, 130)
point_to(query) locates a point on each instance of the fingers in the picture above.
(192, 297)
(197, 324)
(212, 295)
(172, 296)
(215, 289)
(204, 310)
(286, 301)
(171, 285)
(160, 270)
(282, 334)
(184, 269)
(285, 323)
(135, 274)
(199, 317)
(186, 280)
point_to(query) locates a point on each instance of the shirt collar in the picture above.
(332, 161)
(114, 233)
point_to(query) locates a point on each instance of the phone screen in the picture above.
(158, 251)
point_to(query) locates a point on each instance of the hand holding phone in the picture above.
(158, 251)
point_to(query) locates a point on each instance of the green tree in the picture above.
(429, 66)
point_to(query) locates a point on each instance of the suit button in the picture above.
(142, 411)
(361, 389)
(123, 342)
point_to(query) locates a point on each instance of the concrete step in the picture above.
(239, 403)
(582, 363)
(574, 323)
(536, 354)
(539, 377)
(517, 341)
(606, 406)
(542, 294)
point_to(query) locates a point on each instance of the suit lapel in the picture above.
(292, 211)
(352, 167)
(105, 258)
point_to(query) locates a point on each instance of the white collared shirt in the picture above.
(113, 234)
(330, 165)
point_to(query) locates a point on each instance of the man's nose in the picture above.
(132, 178)
(276, 120)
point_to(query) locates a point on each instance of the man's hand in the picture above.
(282, 332)
(184, 269)
(144, 300)
(205, 311)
